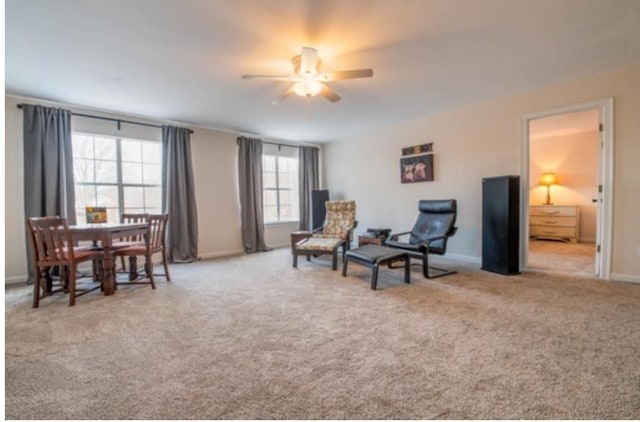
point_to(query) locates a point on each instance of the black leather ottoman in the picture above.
(373, 256)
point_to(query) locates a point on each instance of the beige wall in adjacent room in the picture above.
(574, 159)
(214, 155)
(482, 140)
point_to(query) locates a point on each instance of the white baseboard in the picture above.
(279, 245)
(464, 258)
(17, 279)
(625, 277)
(211, 255)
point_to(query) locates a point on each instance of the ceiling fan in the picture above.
(307, 79)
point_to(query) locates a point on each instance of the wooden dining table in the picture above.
(105, 233)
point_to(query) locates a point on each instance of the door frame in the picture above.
(604, 221)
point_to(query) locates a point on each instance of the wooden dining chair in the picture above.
(159, 241)
(52, 246)
(130, 218)
(153, 244)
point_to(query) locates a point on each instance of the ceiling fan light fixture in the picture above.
(307, 88)
(307, 79)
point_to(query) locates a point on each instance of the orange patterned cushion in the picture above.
(341, 217)
(319, 244)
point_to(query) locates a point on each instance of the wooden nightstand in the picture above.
(560, 222)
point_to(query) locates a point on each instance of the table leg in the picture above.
(108, 279)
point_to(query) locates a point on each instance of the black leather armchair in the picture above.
(434, 226)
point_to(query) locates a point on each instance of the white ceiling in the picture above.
(181, 60)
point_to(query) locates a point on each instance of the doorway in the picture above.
(566, 189)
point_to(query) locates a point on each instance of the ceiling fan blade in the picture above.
(274, 77)
(346, 74)
(329, 94)
(289, 92)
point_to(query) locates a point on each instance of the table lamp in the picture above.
(548, 179)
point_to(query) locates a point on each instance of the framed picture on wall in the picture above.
(418, 168)
(418, 149)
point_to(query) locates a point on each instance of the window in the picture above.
(280, 184)
(123, 175)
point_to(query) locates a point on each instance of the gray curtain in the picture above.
(48, 166)
(308, 181)
(250, 188)
(178, 195)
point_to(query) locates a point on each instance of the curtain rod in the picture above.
(281, 145)
(119, 121)
(276, 144)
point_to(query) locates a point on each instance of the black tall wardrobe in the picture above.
(501, 224)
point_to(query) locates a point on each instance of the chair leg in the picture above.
(295, 259)
(166, 266)
(36, 288)
(425, 268)
(344, 267)
(72, 285)
(334, 262)
(149, 269)
(374, 277)
(99, 270)
(64, 278)
(407, 269)
(48, 281)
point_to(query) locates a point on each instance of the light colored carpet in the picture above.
(249, 337)
(562, 256)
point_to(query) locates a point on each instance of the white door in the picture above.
(604, 188)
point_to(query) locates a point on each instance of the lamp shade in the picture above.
(548, 179)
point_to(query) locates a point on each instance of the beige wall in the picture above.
(15, 260)
(483, 140)
(215, 174)
(574, 159)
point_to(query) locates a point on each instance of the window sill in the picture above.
(281, 223)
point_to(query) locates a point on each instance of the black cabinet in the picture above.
(501, 224)
(318, 210)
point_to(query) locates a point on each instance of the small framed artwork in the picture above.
(96, 215)
(418, 168)
(418, 149)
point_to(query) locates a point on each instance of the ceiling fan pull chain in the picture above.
(309, 109)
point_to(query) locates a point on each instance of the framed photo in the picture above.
(96, 215)
(418, 168)
(418, 149)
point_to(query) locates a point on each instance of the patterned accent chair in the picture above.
(337, 230)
